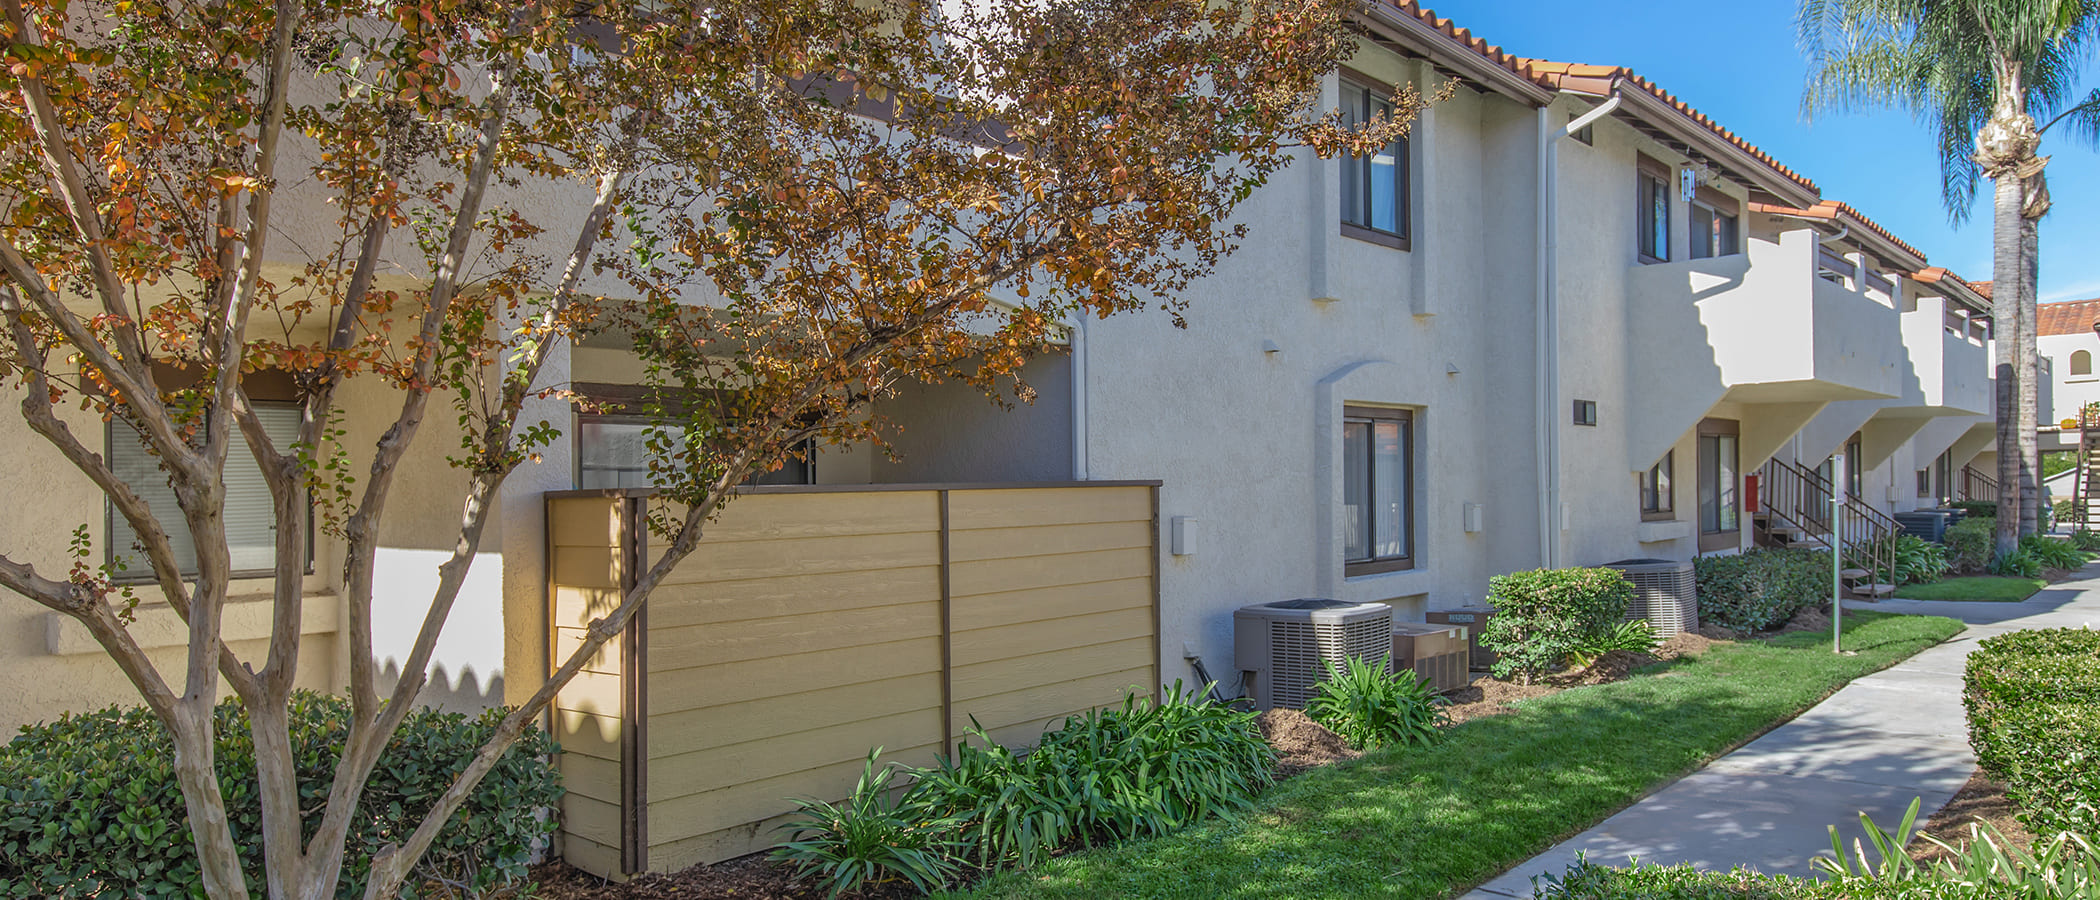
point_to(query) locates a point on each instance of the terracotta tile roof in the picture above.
(2067, 317)
(1834, 210)
(1979, 292)
(1516, 65)
(1559, 76)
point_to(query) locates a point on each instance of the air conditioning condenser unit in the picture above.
(1284, 647)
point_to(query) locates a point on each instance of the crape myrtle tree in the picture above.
(789, 206)
(1991, 78)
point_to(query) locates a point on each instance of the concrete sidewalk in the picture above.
(1871, 747)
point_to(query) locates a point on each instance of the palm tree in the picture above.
(1979, 72)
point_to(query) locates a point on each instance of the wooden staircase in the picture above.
(1794, 510)
(2085, 513)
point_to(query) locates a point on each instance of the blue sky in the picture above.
(1738, 62)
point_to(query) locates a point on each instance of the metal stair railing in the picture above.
(1864, 537)
(1978, 486)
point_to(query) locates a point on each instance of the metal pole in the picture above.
(1838, 485)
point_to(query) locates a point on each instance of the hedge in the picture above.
(2033, 702)
(89, 804)
(1759, 590)
(1543, 615)
(1971, 544)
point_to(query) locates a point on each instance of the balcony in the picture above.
(1764, 328)
(1951, 365)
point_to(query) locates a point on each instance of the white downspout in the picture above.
(1548, 326)
(1078, 347)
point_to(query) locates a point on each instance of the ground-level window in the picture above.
(613, 442)
(1720, 494)
(1377, 489)
(1924, 482)
(250, 514)
(1657, 495)
(1855, 484)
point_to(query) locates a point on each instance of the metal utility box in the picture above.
(1440, 654)
(1284, 647)
(1479, 658)
(1666, 593)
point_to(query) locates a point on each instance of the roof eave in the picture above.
(1419, 37)
(1651, 109)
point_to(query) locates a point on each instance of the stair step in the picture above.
(1853, 574)
(1878, 590)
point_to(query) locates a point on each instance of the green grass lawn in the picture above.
(1432, 822)
(1981, 588)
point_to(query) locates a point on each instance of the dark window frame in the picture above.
(1652, 184)
(1717, 239)
(1377, 565)
(1660, 483)
(1855, 475)
(628, 404)
(1724, 539)
(1371, 94)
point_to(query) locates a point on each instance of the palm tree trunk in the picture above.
(2005, 326)
(2026, 275)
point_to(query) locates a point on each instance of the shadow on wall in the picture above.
(446, 691)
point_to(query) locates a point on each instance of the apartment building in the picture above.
(1568, 320)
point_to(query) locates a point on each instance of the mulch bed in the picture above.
(1980, 800)
(1301, 745)
(744, 878)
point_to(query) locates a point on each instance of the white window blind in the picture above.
(251, 525)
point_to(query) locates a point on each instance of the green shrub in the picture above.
(1143, 769)
(1586, 880)
(1984, 867)
(1637, 636)
(1371, 706)
(2086, 539)
(2033, 703)
(1543, 615)
(1971, 543)
(2063, 511)
(2017, 564)
(1760, 589)
(2055, 553)
(89, 804)
(1985, 509)
(1916, 560)
(874, 837)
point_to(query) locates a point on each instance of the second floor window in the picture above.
(1654, 213)
(1716, 227)
(1657, 494)
(1374, 186)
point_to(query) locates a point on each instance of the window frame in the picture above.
(2076, 357)
(1651, 174)
(1377, 565)
(627, 404)
(1652, 485)
(1718, 206)
(1855, 474)
(269, 388)
(1372, 93)
(1724, 539)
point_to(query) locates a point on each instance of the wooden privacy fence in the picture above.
(814, 624)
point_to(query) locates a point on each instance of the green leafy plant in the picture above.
(1586, 880)
(1915, 560)
(2017, 564)
(1977, 509)
(878, 835)
(1636, 636)
(1761, 589)
(89, 805)
(2051, 552)
(2086, 539)
(1139, 770)
(1371, 706)
(1970, 544)
(2033, 704)
(1892, 862)
(1543, 615)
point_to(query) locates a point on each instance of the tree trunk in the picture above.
(2005, 329)
(2026, 278)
